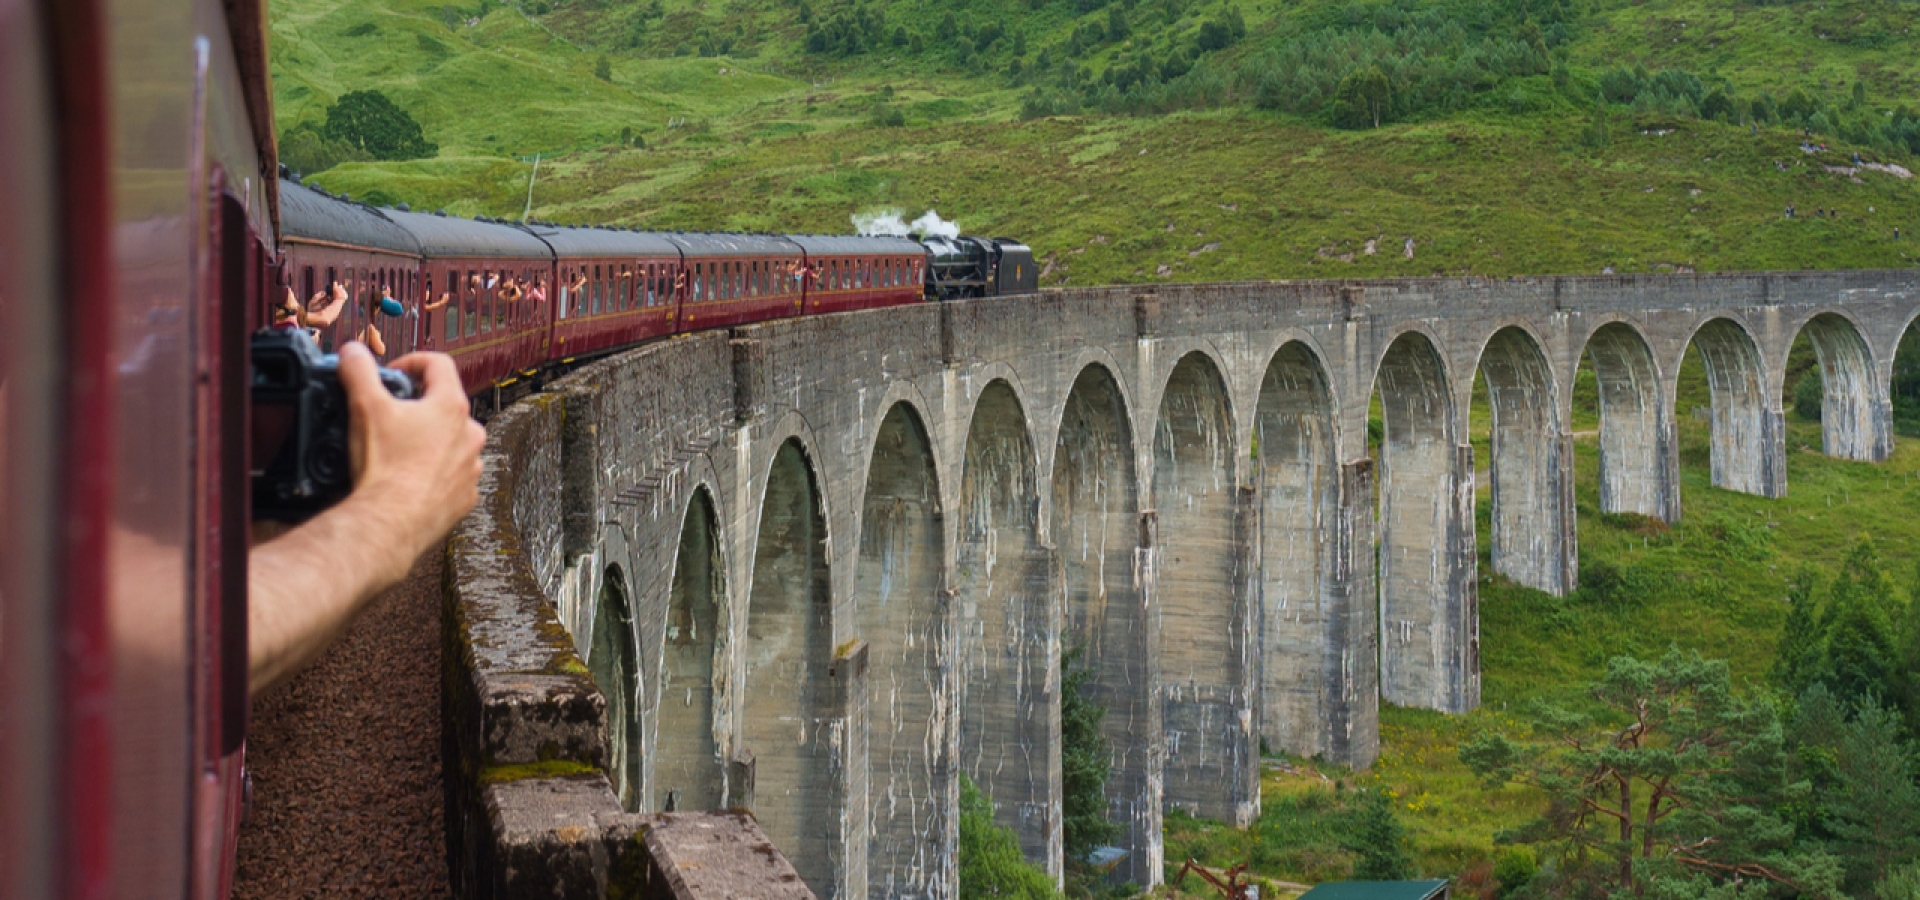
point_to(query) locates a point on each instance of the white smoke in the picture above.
(893, 222)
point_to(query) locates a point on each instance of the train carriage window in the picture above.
(472, 291)
(649, 282)
(486, 301)
(699, 287)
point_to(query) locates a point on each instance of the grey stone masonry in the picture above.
(825, 567)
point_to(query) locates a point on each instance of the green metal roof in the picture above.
(1377, 890)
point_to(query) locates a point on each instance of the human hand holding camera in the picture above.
(416, 463)
(416, 471)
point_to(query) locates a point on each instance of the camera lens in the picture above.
(328, 464)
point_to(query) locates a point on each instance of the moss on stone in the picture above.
(552, 768)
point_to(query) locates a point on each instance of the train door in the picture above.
(222, 317)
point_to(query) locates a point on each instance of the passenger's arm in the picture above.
(416, 470)
(444, 298)
(323, 318)
(373, 340)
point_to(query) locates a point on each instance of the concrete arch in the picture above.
(1748, 454)
(1008, 630)
(1429, 636)
(610, 658)
(900, 610)
(1856, 411)
(1531, 465)
(1639, 462)
(1201, 608)
(688, 771)
(1309, 682)
(787, 694)
(1098, 534)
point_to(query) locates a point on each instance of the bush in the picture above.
(1511, 872)
(1808, 395)
(990, 861)
(306, 151)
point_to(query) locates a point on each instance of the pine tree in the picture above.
(1799, 649)
(1381, 842)
(1860, 658)
(1085, 763)
(1907, 690)
(1876, 812)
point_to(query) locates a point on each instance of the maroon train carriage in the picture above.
(626, 288)
(851, 272)
(330, 240)
(733, 279)
(497, 340)
(136, 230)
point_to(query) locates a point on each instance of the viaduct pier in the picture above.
(821, 567)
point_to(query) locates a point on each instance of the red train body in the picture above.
(524, 300)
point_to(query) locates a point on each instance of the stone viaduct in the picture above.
(822, 567)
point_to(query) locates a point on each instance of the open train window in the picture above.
(699, 278)
(470, 289)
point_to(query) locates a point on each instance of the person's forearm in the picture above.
(301, 596)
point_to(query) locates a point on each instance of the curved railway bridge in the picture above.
(823, 566)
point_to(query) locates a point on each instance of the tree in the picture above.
(306, 151)
(1676, 783)
(1117, 27)
(1876, 812)
(371, 123)
(1085, 763)
(1381, 842)
(1363, 96)
(990, 861)
(1860, 640)
(1797, 655)
(603, 68)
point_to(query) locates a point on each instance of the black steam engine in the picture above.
(961, 267)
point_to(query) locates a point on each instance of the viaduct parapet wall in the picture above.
(823, 567)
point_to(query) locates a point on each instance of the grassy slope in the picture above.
(770, 138)
(1536, 647)
(1229, 193)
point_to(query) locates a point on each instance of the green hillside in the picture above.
(1137, 140)
(1212, 140)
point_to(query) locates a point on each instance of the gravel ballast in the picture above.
(346, 762)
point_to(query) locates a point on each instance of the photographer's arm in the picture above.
(417, 469)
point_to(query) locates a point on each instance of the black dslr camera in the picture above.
(300, 462)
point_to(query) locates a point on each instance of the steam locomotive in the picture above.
(523, 300)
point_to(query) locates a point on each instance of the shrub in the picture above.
(1515, 867)
(1808, 395)
(990, 861)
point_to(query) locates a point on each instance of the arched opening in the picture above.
(1096, 529)
(1428, 656)
(1532, 526)
(1303, 630)
(899, 615)
(1905, 383)
(788, 697)
(1744, 443)
(1638, 466)
(610, 655)
(1206, 705)
(1009, 722)
(687, 766)
(1830, 378)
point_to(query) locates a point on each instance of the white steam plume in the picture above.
(893, 222)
